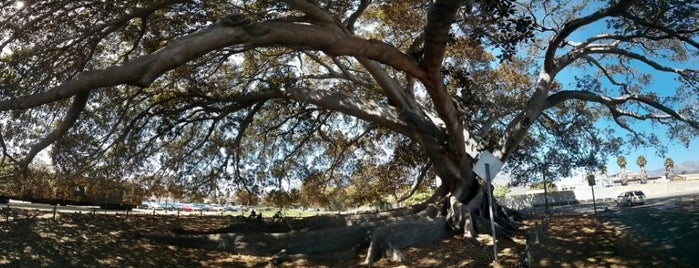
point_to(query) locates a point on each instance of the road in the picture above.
(668, 224)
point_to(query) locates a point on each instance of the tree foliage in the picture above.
(669, 164)
(244, 197)
(281, 198)
(501, 190)
(621, 161)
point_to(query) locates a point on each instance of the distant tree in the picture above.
(550, 186)
(294, 196)
(245, 197)
(669, 165)
(602, 169)
(313, 191)
(277, 198)
(621, 161)
(641, 162)
(418, 197)
(501, 190)
(134, 193)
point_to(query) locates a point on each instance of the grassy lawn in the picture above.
(269, 212)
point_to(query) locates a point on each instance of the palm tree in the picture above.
(621, 161)
(602, 169)
(669, 164)
(641, 162)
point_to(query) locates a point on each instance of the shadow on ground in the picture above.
(85, 240)
(582, 241)
(670, 227)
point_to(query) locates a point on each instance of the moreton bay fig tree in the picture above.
(335, 96)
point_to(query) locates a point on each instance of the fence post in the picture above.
(530, 258)
(527, 260)
(54, 212)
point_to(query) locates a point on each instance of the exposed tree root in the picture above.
(386, 241)
(342, 237)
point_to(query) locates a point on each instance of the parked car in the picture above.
(200, 207)
(215, 207)
(155, 206)
(170, 206)
(630, 198)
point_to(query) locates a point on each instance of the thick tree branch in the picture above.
(439, 19)
(352, 19)
(572, 26)
(365, 109)
(552, 64)
(313, 11)
(390, 86)
(5, 153)
(613, 105)
(76, 108)
(143, 70)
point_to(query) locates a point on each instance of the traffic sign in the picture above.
(494, 166)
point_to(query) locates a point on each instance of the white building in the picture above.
(579, 179)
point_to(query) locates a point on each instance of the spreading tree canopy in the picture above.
(312, 92)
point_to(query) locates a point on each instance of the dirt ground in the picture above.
(82, 240)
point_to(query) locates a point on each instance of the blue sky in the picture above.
(663, 84)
